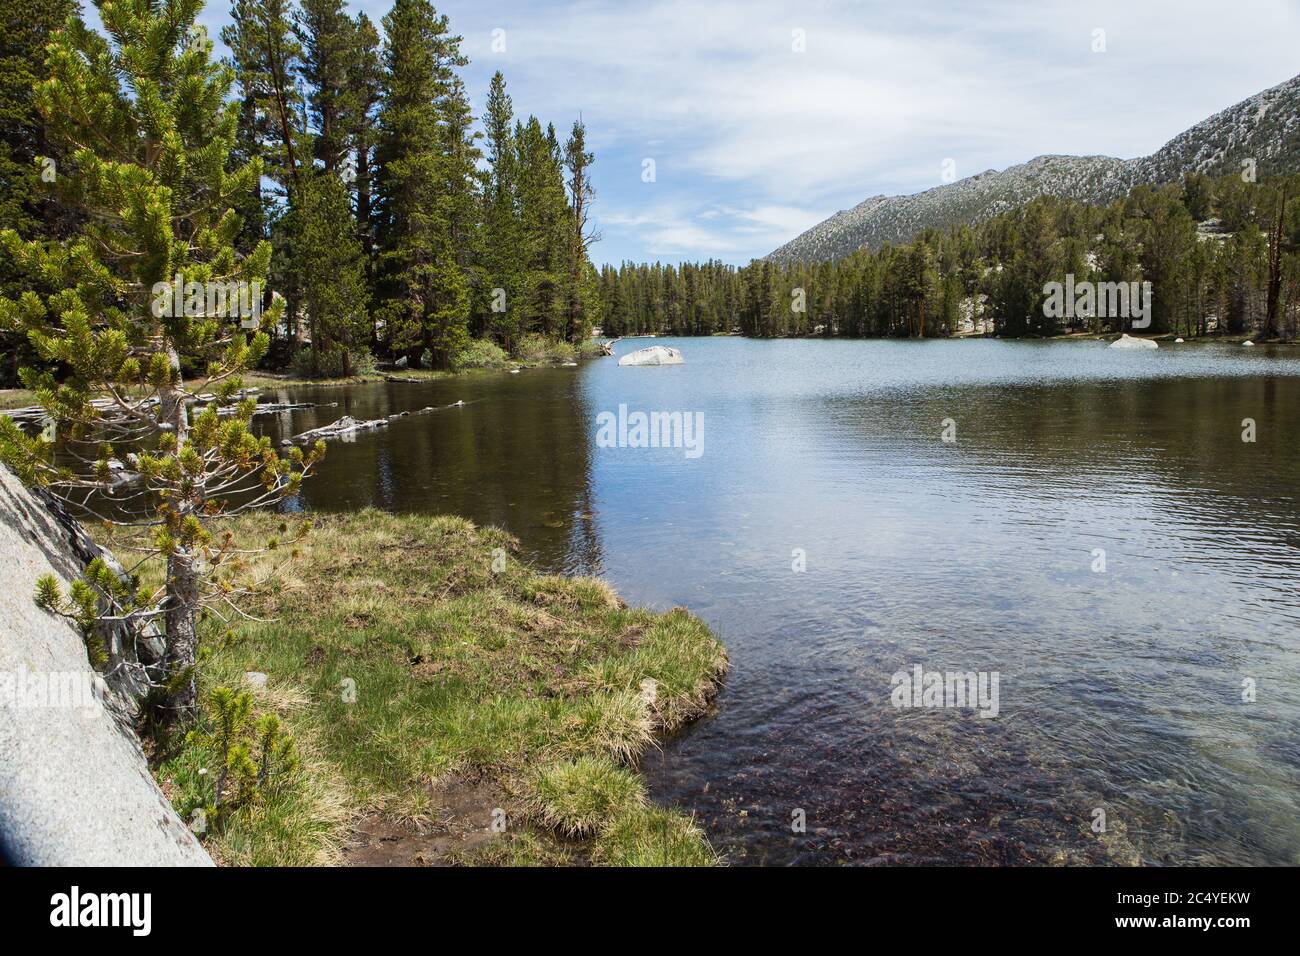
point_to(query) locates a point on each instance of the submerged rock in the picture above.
(654, 355)
(1127, 341)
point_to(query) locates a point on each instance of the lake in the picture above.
(1095, 533)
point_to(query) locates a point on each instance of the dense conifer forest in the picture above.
(400, 226)
(1222, 256)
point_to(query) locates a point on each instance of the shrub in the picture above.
(330, 365)
(481, 353)
(249, 754)
(538, 348)
(363, 363)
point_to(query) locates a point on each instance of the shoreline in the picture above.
(15, 399)
(22, 399)
(1233, 339)
(451, 705)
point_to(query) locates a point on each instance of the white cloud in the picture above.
(741, 126)
(754, 142)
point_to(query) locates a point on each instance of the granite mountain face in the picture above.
(1264, 128)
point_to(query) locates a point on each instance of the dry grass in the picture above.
(16, 398)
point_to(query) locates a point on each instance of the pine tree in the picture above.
(330, 271)
(423, 290)
(325, 35)
(25, 29)
(28, 160)
(918, 285)
(1277, 241)
(578, 161)
(251, 207)
(463, 202)
(149, 127)
(544, 242)
(501, 312)
(1197, 195)
(365, 80)
(1250, 278)
(267, 59)
(1167, 237)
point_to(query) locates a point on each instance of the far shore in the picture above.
(15, 398)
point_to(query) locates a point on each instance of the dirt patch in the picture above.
(462, 820)
(630, 638)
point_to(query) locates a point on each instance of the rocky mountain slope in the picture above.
(1265, 128)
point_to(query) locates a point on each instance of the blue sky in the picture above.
(753, 141)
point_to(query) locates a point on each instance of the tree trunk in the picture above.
(181, 621)
(181, 612)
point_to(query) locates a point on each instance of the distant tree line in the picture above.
(1222, 255)
(398, 228)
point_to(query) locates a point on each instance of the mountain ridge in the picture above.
(1264, 127)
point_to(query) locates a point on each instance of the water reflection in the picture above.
(515, 455)
(1121, 690)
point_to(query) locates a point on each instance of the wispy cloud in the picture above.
(754, 141)
(689, 231)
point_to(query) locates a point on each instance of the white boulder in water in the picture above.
(1248, 342)
(654, 355)
(1127, 341)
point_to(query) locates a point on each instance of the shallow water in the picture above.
(1119, 690)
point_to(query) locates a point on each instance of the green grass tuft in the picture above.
(654, 836)
(581, 797)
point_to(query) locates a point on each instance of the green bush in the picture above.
(363, 363)
(248, 754)
(331, 364)
(538, 348)
(481, 353)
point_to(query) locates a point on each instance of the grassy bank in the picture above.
(550, 353)
(268, 380)
(433, 685)
(16, 398)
